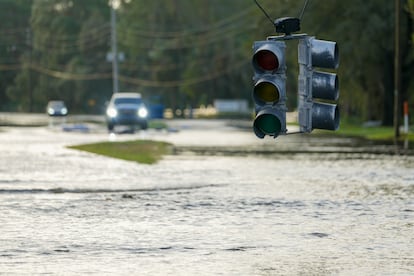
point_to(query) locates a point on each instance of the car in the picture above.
(126, 109)
(56, 108)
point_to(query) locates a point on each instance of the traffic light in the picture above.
(269, 92)
(321, 113)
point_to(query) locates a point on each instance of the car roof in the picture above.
(56, 102)
(126, 95)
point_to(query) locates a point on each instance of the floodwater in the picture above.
(66, 212)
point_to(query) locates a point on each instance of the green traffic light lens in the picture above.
(267, 92)
(268, 124)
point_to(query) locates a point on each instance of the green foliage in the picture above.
(141, 151)
(13, 44)
(67, 44)
(382, 133)
(188, 53)
(365, 34)
(410, 7)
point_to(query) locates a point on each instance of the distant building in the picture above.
(231, 106)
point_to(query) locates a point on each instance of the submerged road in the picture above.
(240, 212)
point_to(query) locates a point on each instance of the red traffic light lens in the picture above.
(267, 60)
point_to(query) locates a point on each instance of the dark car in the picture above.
(126, 109)
(56, 108)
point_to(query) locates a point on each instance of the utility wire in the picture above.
(231, 20)
(127, 79)
(97, 37)
(264, 12)
(200, 42)
(181, 82)
(303, 10)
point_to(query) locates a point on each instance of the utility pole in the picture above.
(114, 50)
(30, 45)
(397, 70)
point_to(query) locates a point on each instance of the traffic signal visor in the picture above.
(269, 121)
(317, 89)
(268, 57)
(268, 90)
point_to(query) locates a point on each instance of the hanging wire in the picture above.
(303, 10)
(265, 13)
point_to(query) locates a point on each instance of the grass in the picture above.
(377, 133)
(157, 124)
(141, 151)
(150, 152)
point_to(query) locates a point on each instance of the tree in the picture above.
(69, 42)
(191, 52)
(365, 33)
(14, 37)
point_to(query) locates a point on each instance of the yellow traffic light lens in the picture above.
(268, 124)
(267, 60)
(267, 92)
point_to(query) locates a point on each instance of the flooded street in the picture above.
(67, 212)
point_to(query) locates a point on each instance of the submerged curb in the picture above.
(243, 151)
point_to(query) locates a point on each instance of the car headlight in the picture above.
(64, 111)
(50, 111)
(111, 112)
(142, 112)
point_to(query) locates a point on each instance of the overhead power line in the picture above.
(227, 33)
(235, 19)
(198, 37)
(176, 83)
(64, 75)
(69, 75)
(10, 67)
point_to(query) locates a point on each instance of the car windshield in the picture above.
(56, 104)
(127, 101)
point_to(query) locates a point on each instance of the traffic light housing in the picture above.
(317, 90)
(269, 92)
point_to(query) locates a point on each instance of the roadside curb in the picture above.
(245, 151)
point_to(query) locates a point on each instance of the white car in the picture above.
(126, 108)
(56, 108)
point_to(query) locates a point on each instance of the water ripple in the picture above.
(96, 191)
